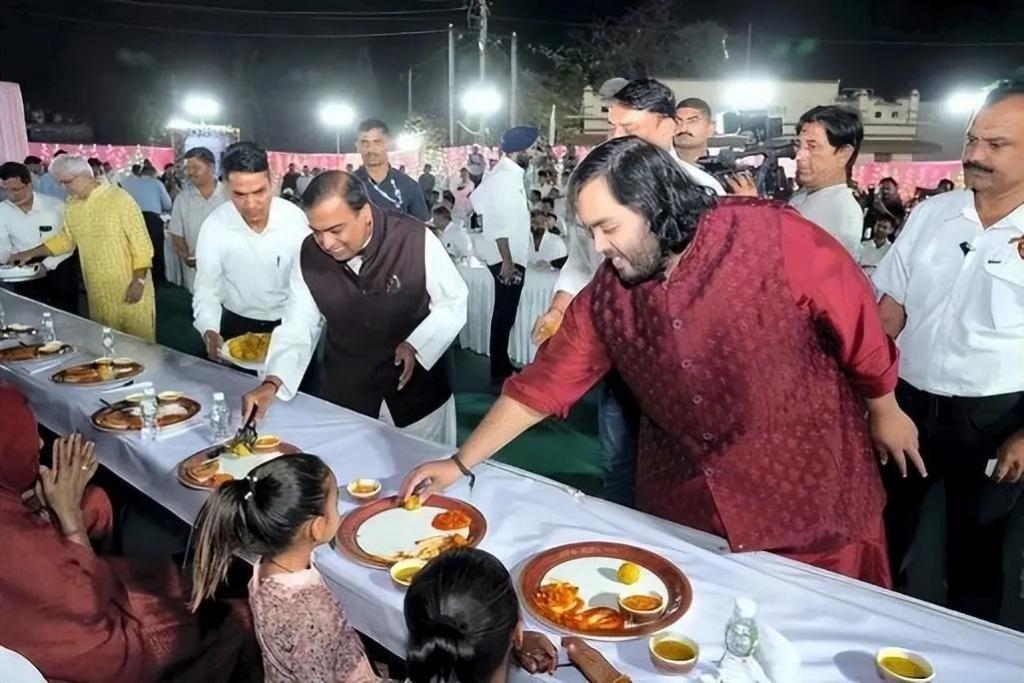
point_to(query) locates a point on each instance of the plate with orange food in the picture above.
(390, 530)
(211, 467)
(99, 372)
(604, 590)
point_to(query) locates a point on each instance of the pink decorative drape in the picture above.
(13, 135)
(910, 175)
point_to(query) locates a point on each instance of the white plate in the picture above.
(397, 530)
(239, 468)
(597, 579)
(20, 273)
(225, 353)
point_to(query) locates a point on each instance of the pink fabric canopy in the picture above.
(13, 135)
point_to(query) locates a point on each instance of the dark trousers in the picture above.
(618, 424)
(58, 289)
(155, 228)
(958, 437)
(503, 318)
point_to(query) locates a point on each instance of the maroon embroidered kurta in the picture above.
(749, 363)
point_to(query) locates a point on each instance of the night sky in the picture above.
(122, 65)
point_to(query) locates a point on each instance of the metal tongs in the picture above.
(246, 434)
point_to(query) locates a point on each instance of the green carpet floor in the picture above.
(568, 451)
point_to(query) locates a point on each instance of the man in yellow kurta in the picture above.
(106, 226)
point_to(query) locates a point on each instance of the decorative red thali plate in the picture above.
(592, 568)
(380, 533)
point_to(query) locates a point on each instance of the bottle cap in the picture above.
(218, 396)
(745, 608)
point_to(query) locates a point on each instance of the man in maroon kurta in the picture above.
(753, 344)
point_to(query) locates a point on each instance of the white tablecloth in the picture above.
(476, 335)
(835, 623)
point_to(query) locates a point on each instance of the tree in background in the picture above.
(651, 40)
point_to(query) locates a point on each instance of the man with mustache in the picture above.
(390, 302)
(753, 345)
(694, 127)
(952, 290)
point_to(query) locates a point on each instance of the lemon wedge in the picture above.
(629, 573)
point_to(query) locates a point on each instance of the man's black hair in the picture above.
(647, 94)
(374, 124)
(244, 157)
(695, 103)
(649, 181)
(201, 153)
(842, 127)
(12, 169)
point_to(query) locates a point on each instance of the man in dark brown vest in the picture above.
(391, 302)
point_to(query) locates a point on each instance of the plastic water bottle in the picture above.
(3, 317)
(49, 334)
(108, 342)
(740, 644)
(219, 416)
(148, 409)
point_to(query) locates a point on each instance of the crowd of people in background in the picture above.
(957, 380)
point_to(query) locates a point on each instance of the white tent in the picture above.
(13, 135)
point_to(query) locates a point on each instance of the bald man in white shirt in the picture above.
(952, 289)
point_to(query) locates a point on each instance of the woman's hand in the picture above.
(63, 486)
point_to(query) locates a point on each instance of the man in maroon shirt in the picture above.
(753, 344)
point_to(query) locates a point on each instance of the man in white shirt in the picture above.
(391, 302)
(953, 297)
(645, 108)
(452, 233)
(192, 207)
(546, 248)
(245, 253)
(500, 199)
(828, 141)
(874, 250)
(27, 219)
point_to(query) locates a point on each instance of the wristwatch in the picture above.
(140, 280)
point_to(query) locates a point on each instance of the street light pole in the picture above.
(513, 80)
(451, 85)
(408, 113)
(337, 141)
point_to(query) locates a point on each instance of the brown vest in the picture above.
(368, 315)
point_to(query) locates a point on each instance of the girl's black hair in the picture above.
(257, 515)
(461, 612)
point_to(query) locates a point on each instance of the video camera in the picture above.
(747, 135)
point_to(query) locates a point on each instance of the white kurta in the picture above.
(293, 342)
(244, 271)
(552, 247)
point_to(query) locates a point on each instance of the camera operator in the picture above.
(828, 140)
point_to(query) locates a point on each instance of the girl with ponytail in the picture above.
(462, 615)
(280, 513)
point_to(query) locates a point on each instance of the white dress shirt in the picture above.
(583, 261)
(293, 342)
(871, 254)
(962, 287)
(834, 209)
(189, 212)
(501, 202)
(21, 231)
(244, 271)
(456, 239)
(552, 247)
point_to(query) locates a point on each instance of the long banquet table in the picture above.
(835, 624)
